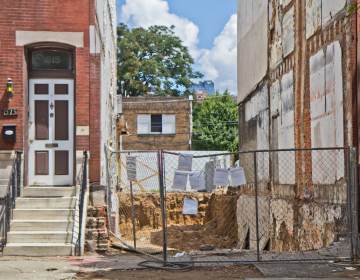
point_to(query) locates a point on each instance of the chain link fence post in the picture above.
(353, 203)
(256, 208)
(160, 156)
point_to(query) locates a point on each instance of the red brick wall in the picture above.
(59, 16)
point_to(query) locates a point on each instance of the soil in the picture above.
(214, 226)
(217, 273)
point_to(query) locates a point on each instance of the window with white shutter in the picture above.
(168, 124)
(144, 124)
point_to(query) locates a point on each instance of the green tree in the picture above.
(153, 60)
(215, 122)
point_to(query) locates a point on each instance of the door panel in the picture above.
(61, 162)
(51, 132)
(61, 88)
(41, 89)
(41, 163)
(61, 120)
(41, 120)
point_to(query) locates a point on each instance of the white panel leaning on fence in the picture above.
(221, 175)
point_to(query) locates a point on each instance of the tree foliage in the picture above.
(153, 60)
(215, 122)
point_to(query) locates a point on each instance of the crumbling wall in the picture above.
(288, 224)
(311, 52)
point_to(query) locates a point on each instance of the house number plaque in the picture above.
(10, 112)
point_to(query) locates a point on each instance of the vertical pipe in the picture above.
(162, 203)
(256, 209)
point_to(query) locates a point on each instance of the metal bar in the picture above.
(256, 209)
(354, 205)
(261, 151)
(284, 261)
(133, 151)
(350, 186)
(162, 203)
(83, 187)
(133, 213)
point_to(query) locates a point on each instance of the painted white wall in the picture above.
(327, 114)
(252, 45)
(103, 42)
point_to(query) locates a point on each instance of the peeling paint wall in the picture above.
(288, 37)
(252, 45)
(320, 12)
(309, 88)
(326, 106)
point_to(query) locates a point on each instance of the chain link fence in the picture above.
(271, 205)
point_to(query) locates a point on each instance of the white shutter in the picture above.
(143, 124)
(168, 124)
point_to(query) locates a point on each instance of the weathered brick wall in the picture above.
(181, 107)
(288, 115)
(311, 90)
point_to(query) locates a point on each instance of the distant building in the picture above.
(204, 87)
(157, 122)
(200, 96)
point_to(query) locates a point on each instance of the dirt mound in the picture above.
(215, 224)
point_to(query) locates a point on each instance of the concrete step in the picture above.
(38, 249)
(43, 214)
(49, 191)
(5, 171)
(45, 203)
(4, 182)
(39, 237)
(26, 225)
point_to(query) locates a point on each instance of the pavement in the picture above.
(62, 268)
(66, 268)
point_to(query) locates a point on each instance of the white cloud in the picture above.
(217, 64)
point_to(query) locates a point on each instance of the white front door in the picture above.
(51, 132)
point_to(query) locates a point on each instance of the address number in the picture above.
(10, 112)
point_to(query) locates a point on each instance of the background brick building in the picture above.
(158, 123)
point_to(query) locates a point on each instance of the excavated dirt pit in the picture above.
(214, 227)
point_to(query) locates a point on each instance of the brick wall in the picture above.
(311, 32)
(57, 16)
(181, 107)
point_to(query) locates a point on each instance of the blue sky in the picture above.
(210, 15)
(207, 27)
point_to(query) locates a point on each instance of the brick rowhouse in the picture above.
(25, 25)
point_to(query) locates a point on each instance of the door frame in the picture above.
(51, 74)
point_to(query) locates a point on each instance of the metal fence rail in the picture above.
(7, 202)
(295, 204)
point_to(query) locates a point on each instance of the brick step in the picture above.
(92, 222)
(94, 234)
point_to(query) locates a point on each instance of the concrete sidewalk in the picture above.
(66, 268)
